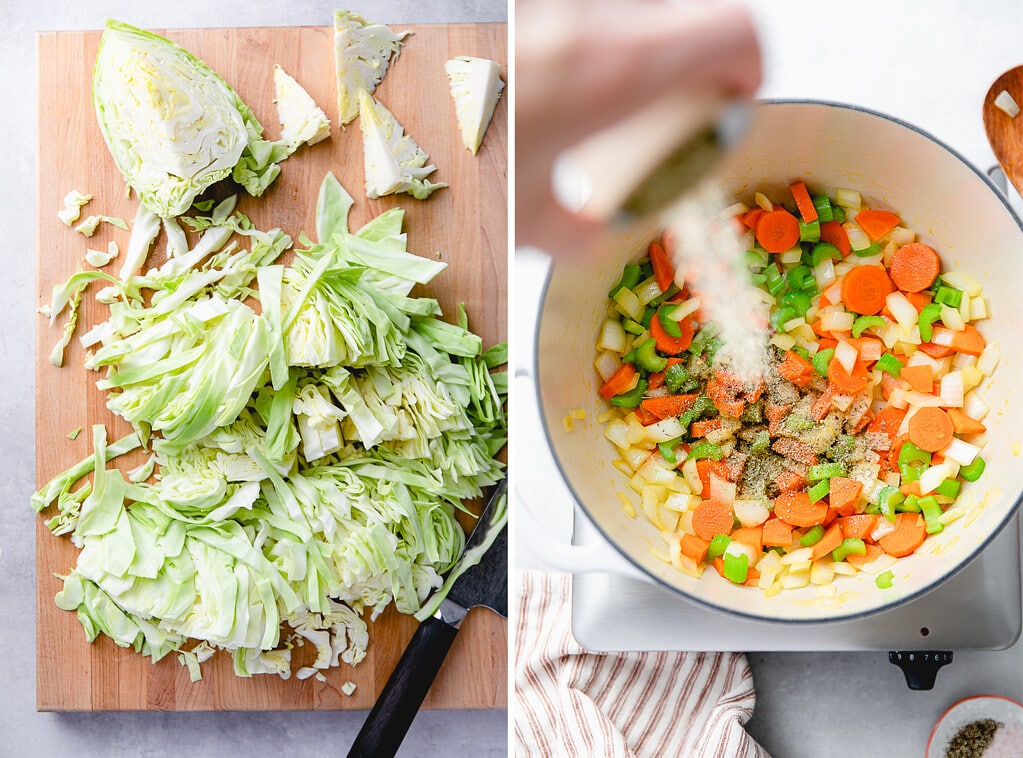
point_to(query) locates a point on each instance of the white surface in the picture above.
(22, 730)
(929, 63)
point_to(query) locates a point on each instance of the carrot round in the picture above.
(664, 272)
(795, 509)
(712, 517)
(752, 218)
(668, 405)
(848, 383)
(859, 526)
(672, 345)
(887, 422)
(777, 231)
(909, 534)
(876, 223)
(865, 288)
(931, 429)
(832, 231)
(859, 561)
(914, 267)
(620, 381)
(803, 201)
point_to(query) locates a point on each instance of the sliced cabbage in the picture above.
(362, 53)
(393, 161)
(475, 87)
(303, 122)
(89, 226)
(173, 125)
(309, 458)
(74, 201)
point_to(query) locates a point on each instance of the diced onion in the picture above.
(783, 341)
(825, 274)
(607, 364)
(962, 360)
(902, 309)
(903, 236)
(794, 323)
(883, 527)
(791, 256)
(681, 502)
(846, 355)
(1005, 103)
(835, 320)
(971, 377)
(975, 407)
(858, 238)
(988, 359)
(737, 548)
(683, 309)
(665, 430)
(692, 476)
(647, 291)
(879, 564)
(931, 477)
(952, 389)
(735, 209)
(822, 573)
(797, 556)
(751, 512)
(943, 336)
(834, 292)
(848, 198)
(871, 350)
(962, 281)
(793, 581)
(951, 318)
(722, 489)
(612, 336)
(617, 431)
(658, 471)
(978, 308)
(763, 201)
(628, 304)
(923, 399)
(841, 269)
(961, 451)
(898, 399)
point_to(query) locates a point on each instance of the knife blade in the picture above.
(485, 583)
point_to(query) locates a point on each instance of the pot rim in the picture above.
(835, 618)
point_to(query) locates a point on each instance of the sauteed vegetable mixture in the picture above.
(854, 445)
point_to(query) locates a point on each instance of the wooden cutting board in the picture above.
(466, 223)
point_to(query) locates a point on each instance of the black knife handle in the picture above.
(405, 691)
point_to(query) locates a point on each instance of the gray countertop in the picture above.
(22, 730)
(929, 63)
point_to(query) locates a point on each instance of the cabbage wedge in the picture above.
(393, 161)
(475, 87)
(362, 54)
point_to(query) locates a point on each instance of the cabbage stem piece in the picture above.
(362, 53)
(475, 87)
(393, 161)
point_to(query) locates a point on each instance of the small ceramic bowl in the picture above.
(1001, 709)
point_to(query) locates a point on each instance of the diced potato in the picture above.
(751, 512)
(821, 573)
(635, 457)
(793, 581)
(617, 431)
(692, 476)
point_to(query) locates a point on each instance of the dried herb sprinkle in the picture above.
(972, 740)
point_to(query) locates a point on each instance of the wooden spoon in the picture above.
(1004, 132)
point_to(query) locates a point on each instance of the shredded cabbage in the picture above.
(309, 455)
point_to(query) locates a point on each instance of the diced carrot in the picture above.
(920, 377)
(847, 383)
(664, 272)
(694, 548)
(712, 517)
(935, 351)
(909, 534)
(775, 412)
(844, 491)
(834, 233)
(796, 509)
(777, 231)
(931, 429)
(750, 535)
(776, 533)
(832, 538)
(668, 406)
(752, 577)
(646, 418)
(911, 488)
(872, 554)
(706, 468)
(865, 288)
(790, 481)
(876, 223)
(621, 381)
(887, 422)
(846, 510)
(796, 450)
(796, 369)
(672, 345)
(726, 391)
(803, 202)
(963, 424)
(751, 218)
(858, 526)
(918, 299)
(966, 340)
(822, 404)
(914, 267)
(656, 380)
(702, 428)
(825, 342)
(829, 518)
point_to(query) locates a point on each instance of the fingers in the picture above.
(542, 221)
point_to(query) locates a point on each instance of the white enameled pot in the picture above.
(951, 206)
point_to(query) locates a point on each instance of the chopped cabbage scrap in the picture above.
(89, 226)
(74, 201)
(475, 87)
(100, 258)
(362, 53)
(303, 122)
(307, 458)
(393, 161)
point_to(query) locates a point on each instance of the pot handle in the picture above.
(543, 537)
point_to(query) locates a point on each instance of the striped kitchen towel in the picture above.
(571, 702)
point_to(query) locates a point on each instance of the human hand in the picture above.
(582, 66)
